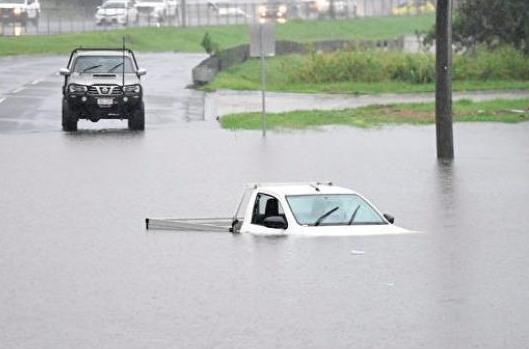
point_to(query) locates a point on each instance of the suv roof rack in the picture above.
(313, 184)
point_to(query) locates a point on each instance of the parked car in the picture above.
(20, 11)
(116, 11)
(273, 11)
(323, 8)
(102, 84)
(226, 9)
(157, 10)
(413, 8)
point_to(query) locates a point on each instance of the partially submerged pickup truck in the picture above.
(311, 209)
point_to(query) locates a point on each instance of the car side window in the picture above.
(266, 206)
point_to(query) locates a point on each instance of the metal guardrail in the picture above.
(68, 20)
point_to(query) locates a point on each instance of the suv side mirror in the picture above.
(141, 72)
(389, 218)
(275, 222)
(64, 71)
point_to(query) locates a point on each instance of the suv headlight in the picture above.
(74, 88)
(17, 11)
(132, 89)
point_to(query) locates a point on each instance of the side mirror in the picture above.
(64, 71)
(275, 222)
(389, 218)
(141, 72)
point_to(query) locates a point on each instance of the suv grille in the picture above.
(104, 90)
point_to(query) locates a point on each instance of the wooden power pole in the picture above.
(443, 85)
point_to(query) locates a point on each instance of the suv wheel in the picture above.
(137, 119)
(69, 121)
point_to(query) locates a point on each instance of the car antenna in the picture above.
(123, 67)
(315, 186)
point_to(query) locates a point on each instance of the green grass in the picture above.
(294, 73)
(378, 115)
(188, 39)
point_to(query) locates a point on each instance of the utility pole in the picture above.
(443, 85)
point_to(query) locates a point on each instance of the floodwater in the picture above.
(78, 270)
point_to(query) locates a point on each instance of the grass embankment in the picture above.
(508, 111)
(171, 39)
(377, 71)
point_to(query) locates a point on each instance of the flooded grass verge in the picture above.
(507, 111)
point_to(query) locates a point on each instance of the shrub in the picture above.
(210, 46)
(481, 64)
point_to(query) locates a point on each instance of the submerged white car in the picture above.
(309, 209)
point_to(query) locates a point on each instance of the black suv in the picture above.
(102, 84)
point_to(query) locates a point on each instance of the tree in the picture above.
(492, 22)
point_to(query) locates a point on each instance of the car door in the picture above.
(132, 12)
(172, 7)
(31, 7)
(128, 12)
(265, 206)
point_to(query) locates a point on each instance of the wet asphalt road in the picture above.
(78, 270)
(30, 92)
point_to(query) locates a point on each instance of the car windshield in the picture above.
(102, 64)
(113, 5)
(336, 209)
(12, 1)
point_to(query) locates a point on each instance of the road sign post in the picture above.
(262, 43)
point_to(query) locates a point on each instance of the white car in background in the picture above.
(226, 9)
(20, 11)
(116, 11)
(157, 10)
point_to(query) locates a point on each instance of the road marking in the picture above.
(18, 90)
(1, 100)
(36, 82)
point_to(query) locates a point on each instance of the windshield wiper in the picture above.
(114, 67)
(353, 215)
(325, 215)
(90, 68)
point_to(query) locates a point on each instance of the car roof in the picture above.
(315, 188)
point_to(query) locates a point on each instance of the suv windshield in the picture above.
(102, 64)
(336, 209)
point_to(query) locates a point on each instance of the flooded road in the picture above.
(78, 269)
